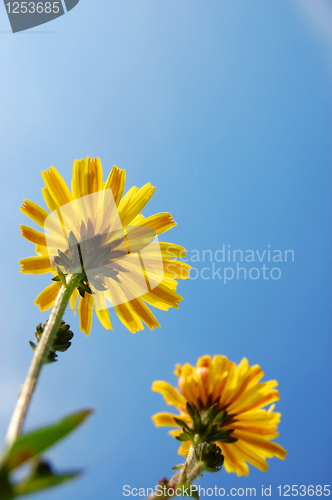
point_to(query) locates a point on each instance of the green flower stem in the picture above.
(191, 470)
(40, 356)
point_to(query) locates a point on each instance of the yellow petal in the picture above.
(56, 186)
(171, 395)
(159, 222)
(162, 297)
(85, 313)
(32, 235)
(244, 453)
(257, 401)
(232, 462)
(128, 317)
(104, 317)
(52, 205)
(184, 448)
(269, 448)
(116, 182)
(94, 176)
(78, 178)
(36, 265)
(165, 419)
(144, 313)
(34, 211)
(175, 269)
(47, 297)
(172, 250)
(134, 201)
(73, 300)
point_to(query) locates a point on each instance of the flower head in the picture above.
(219, 401)
(96, 232)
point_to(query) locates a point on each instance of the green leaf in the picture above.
(179, 466)
(185, 487)
(43, 477)
(6, 490)
(30, 445)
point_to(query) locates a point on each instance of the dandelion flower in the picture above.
(219, 401)
(96, 230)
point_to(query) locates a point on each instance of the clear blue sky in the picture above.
(226, 107)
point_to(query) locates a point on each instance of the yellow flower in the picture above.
(109, 235)
(219, 386)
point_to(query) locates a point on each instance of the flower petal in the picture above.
(134, 201)
(73, 300)
(161, 222)
(269, 448)
(94, 175)
(116, 182)
(165, 419)
(78, 178)
(52, 205)
(128, 317)
(34, 211)
(47, 297)
(56, 186)
(85, 312)
(32, 235)
(175, 269)
(36, 265)
(171, 395)
(162, 297)
(232, 462)
(144, 313)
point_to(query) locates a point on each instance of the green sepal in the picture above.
(62, 276)
(220, 418)
(224, 436)
(190, 410)
(42, 477)
(85, 287)
(28, 446)
(197, 421)
(183, 424)
(212, 413)
(185, 436)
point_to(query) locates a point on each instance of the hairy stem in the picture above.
(190, 471)
(40, 355)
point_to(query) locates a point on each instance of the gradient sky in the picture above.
(225, 106)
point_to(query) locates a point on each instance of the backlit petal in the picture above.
(47, 297)
(36, 265)
(85, 313)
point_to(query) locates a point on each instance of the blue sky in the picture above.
(225, 107)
